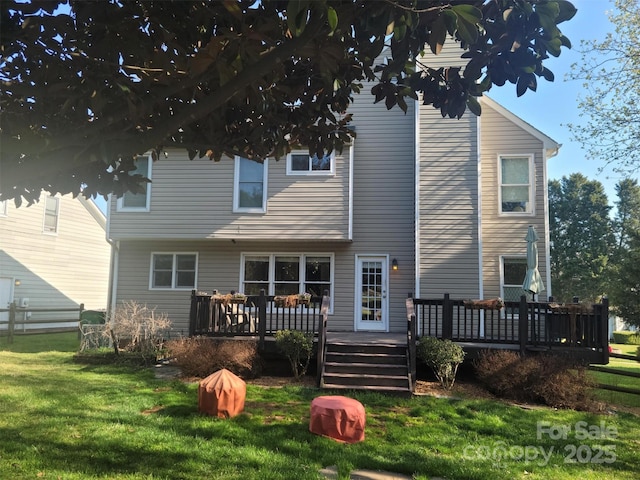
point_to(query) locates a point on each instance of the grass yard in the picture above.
(619, 398)
(626, 349)
(60, 419)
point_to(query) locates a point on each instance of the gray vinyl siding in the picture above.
(219, 265)
(383, 210)
(448, 197)
(448, 202)
(504, 235)
(61, 270)
(383, 224)
(193, 199)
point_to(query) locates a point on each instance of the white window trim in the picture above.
(272, 266)
(44, 216)
(532, 185)
(236, 189)
(173, 272)
(120, 207)
(310, 172)
(502, 284)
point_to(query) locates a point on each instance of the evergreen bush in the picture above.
(297, 347)
(443, 357)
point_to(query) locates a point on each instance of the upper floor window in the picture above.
(516, 184)
(138, 202)
(300, 163)
(250, 186)
(173, 271)
(3, 208)
(51, 213)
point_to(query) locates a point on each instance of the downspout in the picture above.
(416, 200)
(480, 254)
(113, 264)
(547, 154)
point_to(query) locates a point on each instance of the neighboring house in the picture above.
(53, 254)
(447, 201)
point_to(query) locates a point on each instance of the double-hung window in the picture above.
(287, 274)
(138, 202)
(175, 271)
(51, 214)
(250, 186)
(516, 184)
(300, 163)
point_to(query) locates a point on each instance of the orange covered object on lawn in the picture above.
(222, 394)
(337, 417)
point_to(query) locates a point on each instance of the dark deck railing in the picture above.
(257, 316)
(527, 325)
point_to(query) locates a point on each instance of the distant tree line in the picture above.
(594, 253)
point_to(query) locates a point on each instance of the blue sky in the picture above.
(555, 104)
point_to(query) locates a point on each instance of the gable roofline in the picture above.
(95, 212)
(550, 145)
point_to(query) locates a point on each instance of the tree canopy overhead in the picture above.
(88, 85)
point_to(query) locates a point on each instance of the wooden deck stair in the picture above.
(365, 365)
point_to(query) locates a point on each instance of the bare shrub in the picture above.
(553, 380)
(201, 356)
(137, 328)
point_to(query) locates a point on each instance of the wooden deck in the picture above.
(580, 331)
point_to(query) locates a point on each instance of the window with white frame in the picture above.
(516, 184)
(513, 272)
(287, 274)
(139, 201)
(51, 214)
(300, 163)
(175, 271)
(250, 186)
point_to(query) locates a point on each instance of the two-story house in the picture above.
(417, 203)
(53, 255)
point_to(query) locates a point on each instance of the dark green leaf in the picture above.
(474, 105)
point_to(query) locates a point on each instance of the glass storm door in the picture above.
(372, 313)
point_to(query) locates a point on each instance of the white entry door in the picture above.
(372, 308)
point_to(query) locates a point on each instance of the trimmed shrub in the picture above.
(552, 380)
(626, 338)
(297, 347)
(443, 357)
(201, 356)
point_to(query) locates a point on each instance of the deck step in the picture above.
(345, 347)
(378, 388)
(355, 379)
(366, 366)
(368, 358)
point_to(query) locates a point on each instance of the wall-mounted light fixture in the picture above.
(394, 264)
(17, 282)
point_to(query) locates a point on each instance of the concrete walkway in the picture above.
(331, 473)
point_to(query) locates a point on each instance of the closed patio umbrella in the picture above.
(532, 280)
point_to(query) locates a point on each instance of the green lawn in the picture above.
(626, 349)
(619, 398)
(60, 419)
